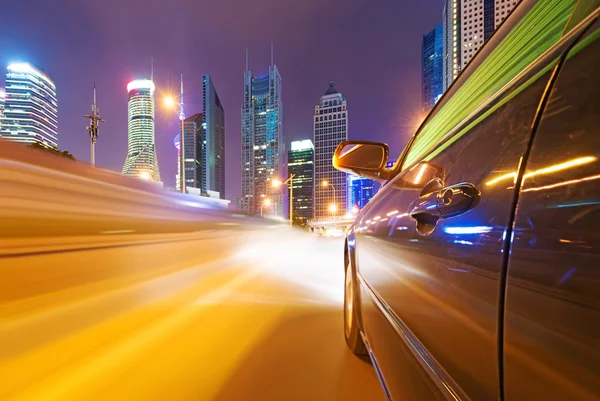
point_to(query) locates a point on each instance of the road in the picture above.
(207, 315)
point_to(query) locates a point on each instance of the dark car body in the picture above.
(497, 296)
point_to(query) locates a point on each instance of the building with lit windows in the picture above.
(301, 164)
(30, 106)
(195, 153)
(213, 133)
(2, 97)
(360, 191)
(432, 50)
(262, 142)
(141, 161)
(330, 128)
(467, 25)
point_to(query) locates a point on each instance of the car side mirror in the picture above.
(362, 158)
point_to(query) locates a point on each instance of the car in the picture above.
(474, 273)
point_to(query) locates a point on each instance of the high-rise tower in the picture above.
(301, 163)
(262, 141)
(331, 128)
(141, 159)
(431, 68)
(213, 127)
(2, 97)
(466, 26)
(30, 106)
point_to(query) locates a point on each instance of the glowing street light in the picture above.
(333, 208)
(267, 203)
(144, 175)
(169, 102)
(326, 184)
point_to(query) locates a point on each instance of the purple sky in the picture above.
(371, 49)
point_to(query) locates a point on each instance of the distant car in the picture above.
(474, 273)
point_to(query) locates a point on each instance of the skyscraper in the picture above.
(213, 126)
(467, 25)
(301, 164)
(141, 159)
(30, 106)
(331, 128)
(195, 153)
(360, 191)
(2, 97)
(262, 141)
(432, 67)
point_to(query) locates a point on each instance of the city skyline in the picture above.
(381, 106)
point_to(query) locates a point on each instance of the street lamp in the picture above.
(290, 184)
(267, 203)
(170, 103)
(144, 175)
(325, 184)
(333, 208)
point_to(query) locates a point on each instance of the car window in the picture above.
(538, 29)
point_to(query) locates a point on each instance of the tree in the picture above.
(297, 220)
(55, 151)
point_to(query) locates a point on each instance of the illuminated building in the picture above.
(2, 97)
(467, 25)
(213, 134)
(330, 128)
(177, 144)
(360, 191)
(141, 159)
(30, 106)
(301, 164)
(432, 68)
(194, 153)
(262, 142)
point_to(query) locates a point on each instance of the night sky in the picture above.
(370, 48)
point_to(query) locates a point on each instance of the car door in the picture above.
(552, 321)
(431, 247)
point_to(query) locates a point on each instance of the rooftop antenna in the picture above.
(246, 59)
(272, 53)
(93, 128)
(152, 69)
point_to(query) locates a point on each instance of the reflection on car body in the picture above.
(473, 273)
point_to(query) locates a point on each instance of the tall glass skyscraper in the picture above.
(301, 164)
(30, 106)
(432, 67)
(213, 126)
(331, 128)
(141, 159)
(262, 142)
(194, 152)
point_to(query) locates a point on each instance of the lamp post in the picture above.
(267, 202)
(170, 103)
(290, 184)
(325, 183)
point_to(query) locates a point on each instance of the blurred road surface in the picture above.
(206, 315)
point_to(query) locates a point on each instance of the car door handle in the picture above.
(438, 202)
